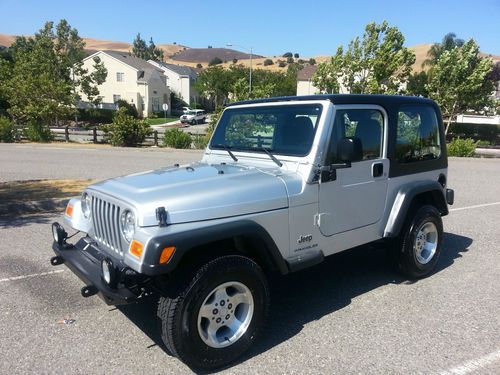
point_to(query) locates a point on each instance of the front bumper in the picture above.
(84, 260)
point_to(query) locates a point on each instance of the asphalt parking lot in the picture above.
(350, 315)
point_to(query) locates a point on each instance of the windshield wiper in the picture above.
(227, 148)
(273, 158)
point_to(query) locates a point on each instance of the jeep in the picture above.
(283, 183)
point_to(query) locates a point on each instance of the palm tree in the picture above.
(449, 42)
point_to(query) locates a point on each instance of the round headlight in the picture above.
(86, 203)
(127, 224)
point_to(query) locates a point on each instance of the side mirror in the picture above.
(350, 149)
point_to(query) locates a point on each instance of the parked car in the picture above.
(193, 117)
(283, 183)
(185, 109)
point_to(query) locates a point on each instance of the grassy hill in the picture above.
(183, 55)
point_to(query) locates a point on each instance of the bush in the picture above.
(130, 109)
(235, 61)
(215, 61)
(288, 54)
(38, 132)
(289, 60)
(296, 55)
(199, 66)
(462, 147)
(7, 130)
(127, 130)
(282, 64)
(200, 141)
(312, 61)
(95, 115)
(176, 138)
(300, 61)
(268, 62)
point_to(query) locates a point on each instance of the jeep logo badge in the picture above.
(306, 238)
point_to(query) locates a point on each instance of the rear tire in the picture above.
(217, 314)
(416, 251)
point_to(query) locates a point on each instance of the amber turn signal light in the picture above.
(166, 254)
(69, 210)
(135, 248)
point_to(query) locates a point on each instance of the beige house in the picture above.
(180, 80)
(304, 81)
(131, 79)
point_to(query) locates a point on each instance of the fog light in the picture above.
(108, 271)
(59, 234)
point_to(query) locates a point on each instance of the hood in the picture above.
(198, 192)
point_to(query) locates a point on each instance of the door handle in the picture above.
(377, 169)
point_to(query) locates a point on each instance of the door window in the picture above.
(365, 124)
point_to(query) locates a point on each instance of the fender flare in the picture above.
(404, 199)
(185, 241)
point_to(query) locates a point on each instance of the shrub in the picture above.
(296, 55)
(126, 130)
(130, 109)
(300, 61)
(235, 61)
(95, 115)
(268, 62)
(215, 61)
(200, 141)
(288, 54)
(7, 130)
(312, 61)
(176, 138)
(289, 60)
(462, 147)
(282, 64)
(199, 66)
(38, 132)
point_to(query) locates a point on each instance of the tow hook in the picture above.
(89, 291)
(57, 260)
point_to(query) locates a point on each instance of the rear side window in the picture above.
(418, 136)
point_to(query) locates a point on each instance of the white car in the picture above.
(193, 117)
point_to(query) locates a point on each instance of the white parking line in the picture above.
(473, 365)
(29, 276)
(475, 206)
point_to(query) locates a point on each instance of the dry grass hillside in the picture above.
(98, 44)
(182, 55)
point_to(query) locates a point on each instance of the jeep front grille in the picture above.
(106, 220)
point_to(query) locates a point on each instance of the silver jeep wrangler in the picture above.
(283, 183)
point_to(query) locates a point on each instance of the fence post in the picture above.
(66, 133)
(94, 133)
(155, 137)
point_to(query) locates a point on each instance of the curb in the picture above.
(488, 152)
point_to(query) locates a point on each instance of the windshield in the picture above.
(192, 112)
(285, 130)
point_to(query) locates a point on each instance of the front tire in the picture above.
(417, 249)
(217, 314)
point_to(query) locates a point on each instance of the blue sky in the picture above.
(270, 27)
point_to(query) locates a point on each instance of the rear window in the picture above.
(418, 136)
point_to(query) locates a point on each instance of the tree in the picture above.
(416, 84)
(215, 61)
(44, 76)
(459, 83)
(328, 74)
(289, 60)
(449, 42)
(376, 63)
(268, 62)
(287, 54)
(312, 61)
(146, 52)
(296, 55)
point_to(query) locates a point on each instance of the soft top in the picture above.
(382, 100)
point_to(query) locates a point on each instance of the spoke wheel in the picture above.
(225, 314)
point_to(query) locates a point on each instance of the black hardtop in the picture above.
(382, 100)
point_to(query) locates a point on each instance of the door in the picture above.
(356, 198)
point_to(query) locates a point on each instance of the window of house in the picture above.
(365, 124)
(418, 135)
(116, 98)
(155, 104)
(120, 77)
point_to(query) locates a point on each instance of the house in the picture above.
(180, 80)
(131, 79)
(304, 81)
